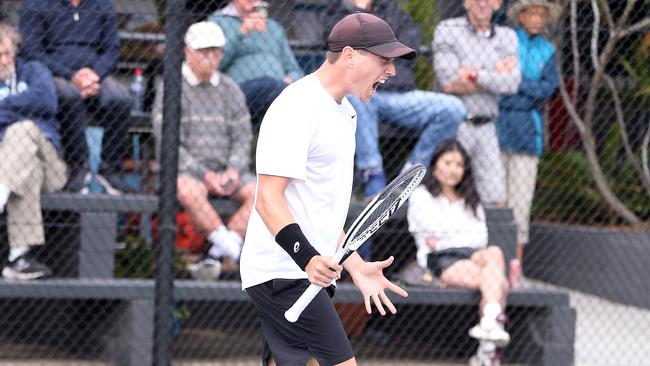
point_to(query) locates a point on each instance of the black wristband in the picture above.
(294, 242)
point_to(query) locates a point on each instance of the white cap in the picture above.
(204, 35)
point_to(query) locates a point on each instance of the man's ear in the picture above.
(349, 56)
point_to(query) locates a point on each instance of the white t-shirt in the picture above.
(451, 224)
(308, 137)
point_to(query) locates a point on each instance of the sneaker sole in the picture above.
(10, 274)
(500, 342)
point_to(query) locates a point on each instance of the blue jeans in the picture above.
(109, 109)
(437, 117)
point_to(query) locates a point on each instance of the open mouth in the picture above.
(376, 85)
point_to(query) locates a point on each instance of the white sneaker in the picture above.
(486, 355)
(490, 331)
(207, 269)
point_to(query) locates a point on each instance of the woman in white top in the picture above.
(447, 220)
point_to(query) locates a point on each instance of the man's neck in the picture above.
(479, 25)
(75, 3)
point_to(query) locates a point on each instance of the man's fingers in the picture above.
(380, 307)
(396, 289)
(387, 262)
(387, 302)
(368, 307)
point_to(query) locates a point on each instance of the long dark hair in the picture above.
(466, 188)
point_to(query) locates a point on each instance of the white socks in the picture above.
(4, 196)
(15, 253)
(491, 311)
(225, 243)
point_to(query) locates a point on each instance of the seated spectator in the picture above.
(520, 125)
(257, 54)
(215, 147)
(30, 149)
(477, 60)
(436, 116)
(79, 42)
(447, 220)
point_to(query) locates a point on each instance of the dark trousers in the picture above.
(109, 109)
(260, 93)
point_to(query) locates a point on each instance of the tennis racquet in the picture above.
(374, 215)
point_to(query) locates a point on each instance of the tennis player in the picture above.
(305, 160)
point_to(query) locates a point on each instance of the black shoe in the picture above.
(25, 267)
(76, 180)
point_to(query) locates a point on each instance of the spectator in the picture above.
(78, 41)
(398, 101)
(257, 54)
(215, 147)
(520, 125)
(477, 60)
(30, 149)
(447, 220)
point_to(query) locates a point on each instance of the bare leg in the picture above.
(193, 196)
(520, 252)
(483, 271)
(494, 285)
(239, 220)
(350, 362)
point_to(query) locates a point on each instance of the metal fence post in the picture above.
(169, 168)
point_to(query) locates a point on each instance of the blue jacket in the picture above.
(520, 127)
(35, 100)
(67, 39)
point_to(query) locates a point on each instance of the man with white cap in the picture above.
(215, 147)
(305, 162)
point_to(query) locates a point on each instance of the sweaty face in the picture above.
(203, 62)
(7, 54)
(534, 19)
(449, 169)
(370, 71)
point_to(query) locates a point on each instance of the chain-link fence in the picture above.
(127, 176)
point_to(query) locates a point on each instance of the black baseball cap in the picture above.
(368, 32)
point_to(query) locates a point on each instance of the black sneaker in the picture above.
(25, 267)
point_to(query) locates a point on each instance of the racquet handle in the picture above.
(301, 304)
(305, 299)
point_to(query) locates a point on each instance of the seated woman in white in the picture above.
(448, 223)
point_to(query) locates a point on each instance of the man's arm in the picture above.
(32, 30)
(109, 50)
(445, 60)
(540, 90)
(500, 81)
(272, 207)
(39, 99)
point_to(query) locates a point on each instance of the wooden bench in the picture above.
(118, 317)
(543, 323)
(97, 226)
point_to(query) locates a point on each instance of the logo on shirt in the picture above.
(296, 247)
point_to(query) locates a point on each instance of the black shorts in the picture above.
(440, 260)
(318, 332)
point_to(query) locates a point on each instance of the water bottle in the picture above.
(137, 90)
